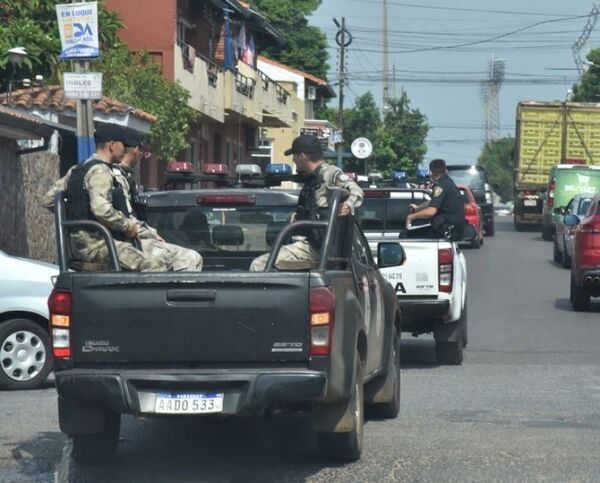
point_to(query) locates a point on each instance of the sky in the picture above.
(442, 76)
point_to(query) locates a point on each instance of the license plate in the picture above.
(530, 203)
(178, 403)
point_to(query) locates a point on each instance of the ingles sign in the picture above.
(78, 26)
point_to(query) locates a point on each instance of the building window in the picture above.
(228, 158)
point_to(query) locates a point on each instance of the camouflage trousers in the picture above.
(175, 257)
(155, 256)
(299, 255)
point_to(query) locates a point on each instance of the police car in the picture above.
(432, 285)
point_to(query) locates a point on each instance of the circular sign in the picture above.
(361, 148)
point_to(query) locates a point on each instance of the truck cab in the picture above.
(564, 182)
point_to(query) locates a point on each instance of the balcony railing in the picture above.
(282, 94)
(212, 70)
(244, 85)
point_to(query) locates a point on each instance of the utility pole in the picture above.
(386, 67)
(343, 39)
(85, 118)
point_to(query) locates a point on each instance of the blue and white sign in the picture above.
(78, 26)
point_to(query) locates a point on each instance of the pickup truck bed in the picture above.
(227, 342)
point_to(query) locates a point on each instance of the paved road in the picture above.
(525, 406)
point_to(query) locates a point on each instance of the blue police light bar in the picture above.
(279, 168)
(423, 173)
(398, 174)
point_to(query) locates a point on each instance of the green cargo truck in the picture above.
(549, 134)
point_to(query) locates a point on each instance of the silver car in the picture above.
(25, 352)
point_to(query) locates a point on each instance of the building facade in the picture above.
(210, 48)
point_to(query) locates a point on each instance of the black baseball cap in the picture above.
(133, 139)
(110, 132)
(307, 144)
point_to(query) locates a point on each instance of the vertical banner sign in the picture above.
(78, 26)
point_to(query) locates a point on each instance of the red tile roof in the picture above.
(306, 75)
(30, 123)
(53, 97)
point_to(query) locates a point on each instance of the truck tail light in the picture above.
(470, 210)
(446, 268)
(551, 188)
(59, 306)
(322, 314)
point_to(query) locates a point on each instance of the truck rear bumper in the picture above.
(420, 315)
(134, 392)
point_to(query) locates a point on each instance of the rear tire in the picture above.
(476, 243)
(450, 352)
(580, 296)
(347, 447)
(566, 259)
(98, 447)
(391, 408)
(557, 255)
(547, 233)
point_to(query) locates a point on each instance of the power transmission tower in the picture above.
(386, 67)
(490, 98)
(585, 35)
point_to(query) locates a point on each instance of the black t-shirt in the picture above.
(446, 198)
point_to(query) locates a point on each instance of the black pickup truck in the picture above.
(227, 341)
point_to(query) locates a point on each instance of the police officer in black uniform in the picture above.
(446, 207)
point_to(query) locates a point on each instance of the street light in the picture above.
(16, 55)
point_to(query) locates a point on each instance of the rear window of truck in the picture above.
(242, 231)
(388, 213)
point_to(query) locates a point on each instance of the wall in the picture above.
(149, 25)
(27, 228)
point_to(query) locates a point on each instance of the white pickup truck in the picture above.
(432, 284)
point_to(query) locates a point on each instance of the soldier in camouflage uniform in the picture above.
(312, 204)
(93, 193)
(175, 257)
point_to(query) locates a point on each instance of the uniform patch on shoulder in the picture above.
(437, 191)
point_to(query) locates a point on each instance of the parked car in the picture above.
(25, 356)
(473, 214)
(563, 238)
(564, 182)
(585, 266)
(476, 179)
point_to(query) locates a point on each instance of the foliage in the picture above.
(134, 78)
(398, 140)
(497, 158)
(306, 46)
(32, 24)
(588, 90)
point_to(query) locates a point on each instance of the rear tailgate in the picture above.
(418, 277)
(177, 318)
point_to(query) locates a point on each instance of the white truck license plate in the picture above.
(188, 403)
(530, 203)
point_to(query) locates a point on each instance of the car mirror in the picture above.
(571, 220)
(390, 254)
(559, 211)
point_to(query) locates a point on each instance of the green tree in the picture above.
(134, 78)
(306, 46)
(32, 24)
(400, 140)
(588, 90)
(497, 158)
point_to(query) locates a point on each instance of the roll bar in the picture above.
(62, 229)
